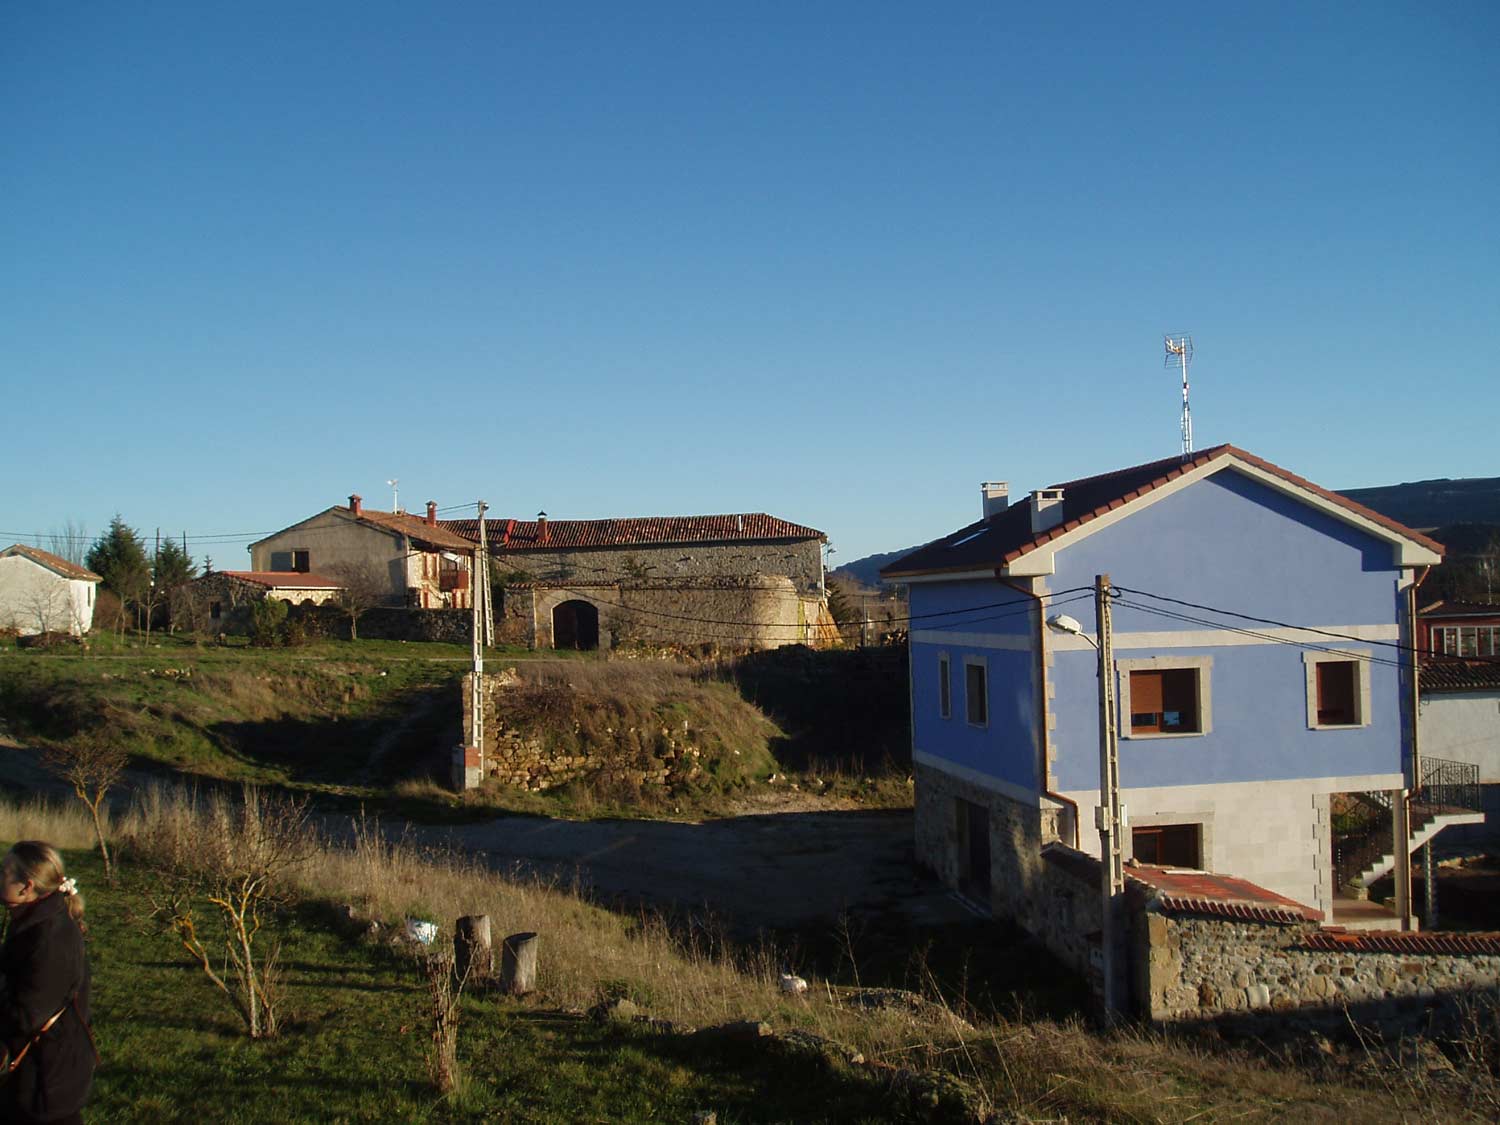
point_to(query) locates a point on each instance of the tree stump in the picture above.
(473, 953)
(518, 964)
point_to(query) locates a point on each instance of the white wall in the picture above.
(1463, 726)
(31, 595)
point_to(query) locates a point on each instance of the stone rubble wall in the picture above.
(801, 561)
(656, 757)
(1196, 968)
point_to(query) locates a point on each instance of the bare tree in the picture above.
(230, 860)
(46, 603)
(92, 766)
(362, 590)
(71, 541)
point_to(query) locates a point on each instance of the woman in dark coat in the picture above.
(44, 983)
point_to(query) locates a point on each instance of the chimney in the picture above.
(996, 497)
(542, 535)
(1046, 509)
(432, 513)
(356, 504)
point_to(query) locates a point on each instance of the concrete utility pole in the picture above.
(476, 693)
(1109, 816)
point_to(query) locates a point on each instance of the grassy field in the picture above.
(354, 1038)
(374, 722)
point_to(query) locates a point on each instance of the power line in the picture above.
(1397, 645)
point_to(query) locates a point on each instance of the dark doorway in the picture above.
(575, 624)
(1168, 845)
(974, 859)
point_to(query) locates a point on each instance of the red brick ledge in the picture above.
(1238, 911)
(1336, 940)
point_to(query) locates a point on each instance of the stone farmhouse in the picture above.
(1263, 631)
(43, 593)
(410, 561)
(745, 581)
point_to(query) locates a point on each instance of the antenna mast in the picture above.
(1180, 354)
(395, 494)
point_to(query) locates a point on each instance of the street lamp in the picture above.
(1109, 815)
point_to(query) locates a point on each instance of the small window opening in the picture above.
(976, 694)
(1164, 701)
(1337, 681)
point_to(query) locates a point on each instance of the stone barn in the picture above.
(746, 581)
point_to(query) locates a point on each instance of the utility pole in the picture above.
(1109, 816)
(476, 693)
(482, 579)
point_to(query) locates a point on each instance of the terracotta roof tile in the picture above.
(640, 531)
(1008, 536)
(1459, 675)
(437, 535)
(1335, 940)
(1178, 891)
(51, 562)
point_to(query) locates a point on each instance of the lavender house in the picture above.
(1237, 734)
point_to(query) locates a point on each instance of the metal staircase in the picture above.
(1365, 850)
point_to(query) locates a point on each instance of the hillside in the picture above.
(1434, 503)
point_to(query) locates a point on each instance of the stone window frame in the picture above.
(1361, 659)
(1202, 665)
(1204, 820)
(945, 685)
(983, 664)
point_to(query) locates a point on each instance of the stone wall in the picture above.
(450, 626)
(756, 612)
(1015, 842)
(1192, 968)
(801, 561)
(512, 757)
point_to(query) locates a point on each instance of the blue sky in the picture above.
(839, 262)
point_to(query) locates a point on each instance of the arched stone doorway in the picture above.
(575, 624)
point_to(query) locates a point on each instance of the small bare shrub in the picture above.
(231, 861)
(92, 764)
(445, 989)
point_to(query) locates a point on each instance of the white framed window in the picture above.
(1466, 640)
(1338, 689)
(945, 686)
(976, 691)
(1165, 696)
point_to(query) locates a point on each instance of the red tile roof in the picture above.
(283, 579)
(1008, 536)
(641, 531)
(1458, 675)
(1335, 940)
(1461, 609)
(1177, 891)
(435, 535)
(51, 562)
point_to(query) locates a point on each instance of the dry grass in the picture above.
(1024, 1070)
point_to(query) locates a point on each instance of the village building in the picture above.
(742, 581)
(43, 593)
(401, 559)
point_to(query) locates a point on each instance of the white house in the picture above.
(42, 593)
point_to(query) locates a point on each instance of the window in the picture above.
(945, 686)
(301, 561)
(1165, 696)
(1466, 640)
(215, 610)
(976, 691)
(1338, 689)
(1168, 845)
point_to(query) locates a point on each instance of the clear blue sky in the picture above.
(839, 262)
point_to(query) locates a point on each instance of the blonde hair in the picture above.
(40, 862)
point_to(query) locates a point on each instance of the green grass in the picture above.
(354, 1044)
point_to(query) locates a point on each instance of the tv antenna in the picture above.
(396, 493)
(1180, 354)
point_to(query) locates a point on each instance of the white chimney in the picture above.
(1046, 509)
(996, 497)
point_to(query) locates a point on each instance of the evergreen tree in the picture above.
(172, 567)
(119, 557)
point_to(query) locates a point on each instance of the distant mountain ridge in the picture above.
(1418, 504)
(1434, 503)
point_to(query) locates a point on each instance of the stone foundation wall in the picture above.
(1015, 842)
(1191, 969)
